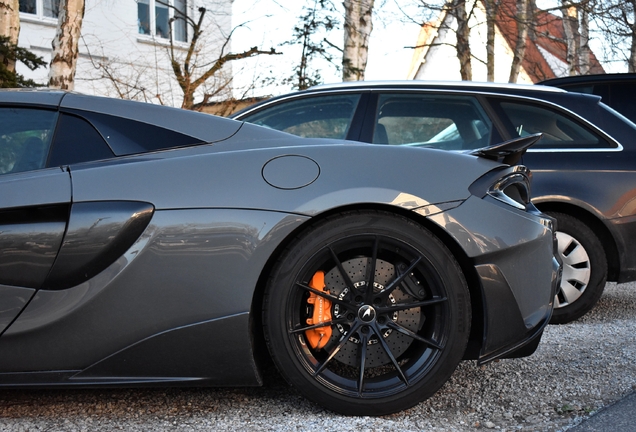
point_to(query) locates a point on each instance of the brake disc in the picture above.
(398, 343)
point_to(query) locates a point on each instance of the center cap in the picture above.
(366, 313)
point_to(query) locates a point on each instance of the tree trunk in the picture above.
(357, 30)
(9, 27)
(572, 36)
(66, 44)
(491, 18)
(584, 55)
(463, 39)
(522, 16)
(631, 66)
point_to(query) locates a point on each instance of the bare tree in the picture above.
(182, 63)
(492, 8)
(317, 19)
(66, 44)
(523, 20)
(617, 21)
(585, 52)
(459, 12)
(192, 71)
(570, 13)
(358, 25)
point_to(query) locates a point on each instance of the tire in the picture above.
(584, 269)
(407, 337)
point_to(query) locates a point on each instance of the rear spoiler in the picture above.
(508, 152)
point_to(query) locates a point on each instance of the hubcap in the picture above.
(576, 270)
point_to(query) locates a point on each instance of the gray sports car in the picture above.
(145, 245)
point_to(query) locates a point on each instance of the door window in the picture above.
(437, 121)
(25, 137)
(558, 129)
(312, 117)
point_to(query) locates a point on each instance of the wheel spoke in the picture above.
(371, 277)
(570, 292)
(343, 340)
(345, 276)
(579, 275)
(323, 294)
(404, 306)
(387, 349)
(362, 352)
(577, 255)
(415, 336)
(315, 326)
(398, 280)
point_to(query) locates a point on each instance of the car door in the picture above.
(34, 206)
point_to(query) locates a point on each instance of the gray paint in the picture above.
(48, 186)
(188, 267)
(44, 98)
(187, 353)
(518, 244)
(350, 174)
(12, 301)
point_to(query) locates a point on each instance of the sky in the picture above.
(269, 23)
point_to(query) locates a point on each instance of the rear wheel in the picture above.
(584, 269)
(367, 313)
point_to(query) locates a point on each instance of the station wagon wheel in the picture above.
(367, 314)
(584, 269)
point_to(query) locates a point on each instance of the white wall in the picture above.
(115, 60)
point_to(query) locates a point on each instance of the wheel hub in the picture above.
(367, 314)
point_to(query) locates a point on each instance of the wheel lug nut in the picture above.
(351, 317)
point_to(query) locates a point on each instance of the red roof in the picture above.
(548, 34)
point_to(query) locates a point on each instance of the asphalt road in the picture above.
(618, 417)
(578, 369)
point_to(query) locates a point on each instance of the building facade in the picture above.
(125, 44)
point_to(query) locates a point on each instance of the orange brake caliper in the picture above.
(318, 337)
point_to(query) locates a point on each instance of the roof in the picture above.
(592, 79)
(433, 84)
(548, 37)
(459, 87)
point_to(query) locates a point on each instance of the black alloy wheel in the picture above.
(367, 313)
(584, 269)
